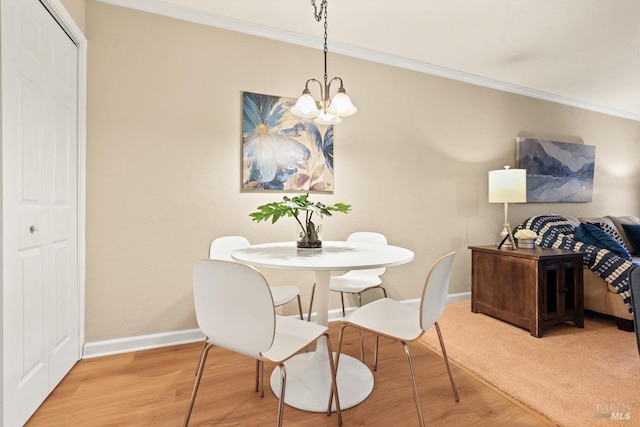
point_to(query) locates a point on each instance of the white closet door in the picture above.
(40, 221)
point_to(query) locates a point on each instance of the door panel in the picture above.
(63, 206)
(33, 333)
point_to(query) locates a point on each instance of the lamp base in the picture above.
(508, 242)
(504, 238)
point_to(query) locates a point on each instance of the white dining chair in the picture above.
(234, 310)
(357, 281)
(222, 247)
(405, 323)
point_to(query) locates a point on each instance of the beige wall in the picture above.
(163, 166)
(76, 9)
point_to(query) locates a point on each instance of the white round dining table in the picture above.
(308, 375)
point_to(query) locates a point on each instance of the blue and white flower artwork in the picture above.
(281, 151)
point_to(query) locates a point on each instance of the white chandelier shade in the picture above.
(305, 107)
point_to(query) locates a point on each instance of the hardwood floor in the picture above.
(152, 388)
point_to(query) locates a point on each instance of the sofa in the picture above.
(606, 269)
(600, 296)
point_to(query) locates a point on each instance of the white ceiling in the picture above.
(579, 52)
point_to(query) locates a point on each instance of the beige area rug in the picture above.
(576, 377)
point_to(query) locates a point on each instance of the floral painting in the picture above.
(281, 151)
(556, 171)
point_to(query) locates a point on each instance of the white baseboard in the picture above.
(146, 342)
(141, 342)
(464, 296)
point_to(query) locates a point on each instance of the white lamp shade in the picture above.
(341, 105)
(327, 119)
(508, 186)
(305, 107)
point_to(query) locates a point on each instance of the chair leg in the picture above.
(313, 291)
(257, 375)
(340, 336)
(375, 362)
(384, 291)
(204, 347)
(446, 361)
(196, 384)
(361, 333)
(375, 354)
(413, 383)
(260, 377)
(342, 299)
(333, 395)
(300, 308)
(283, 384)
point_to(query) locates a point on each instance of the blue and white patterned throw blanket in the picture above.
(554, 231)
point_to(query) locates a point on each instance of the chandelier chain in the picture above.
(318, 14)
(326, 49)
(326, 25)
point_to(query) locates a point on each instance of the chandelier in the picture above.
(330, 111)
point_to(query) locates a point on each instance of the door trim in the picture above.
(64, 19)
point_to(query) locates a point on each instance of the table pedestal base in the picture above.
(309, 382)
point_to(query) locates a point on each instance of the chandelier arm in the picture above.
(331, 81)
(306, 86)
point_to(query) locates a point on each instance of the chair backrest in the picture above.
(436, 288)
(234, 306)
(372, 274)
(222, 247)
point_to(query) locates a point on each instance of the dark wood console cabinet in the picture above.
(530, 288)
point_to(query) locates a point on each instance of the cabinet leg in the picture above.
(624, 324)
(536, 331)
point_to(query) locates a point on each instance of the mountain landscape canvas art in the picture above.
(556, 171)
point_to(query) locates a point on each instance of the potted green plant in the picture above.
(309, 237)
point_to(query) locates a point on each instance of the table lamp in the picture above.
(507, 186)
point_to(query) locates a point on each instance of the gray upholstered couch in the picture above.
(600, 296)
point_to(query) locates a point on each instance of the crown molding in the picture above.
(163, 8)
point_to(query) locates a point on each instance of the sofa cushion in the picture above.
(618, 221)
(611, 230)
(598, 219)
(633, 234)
(593, 235)
(573, 220)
